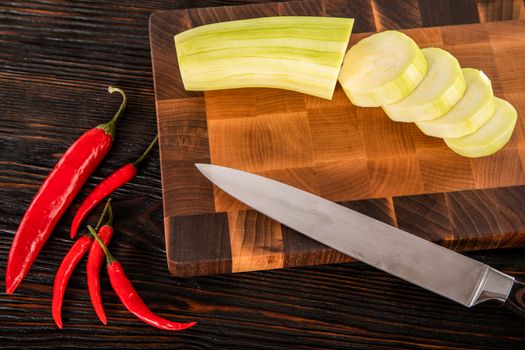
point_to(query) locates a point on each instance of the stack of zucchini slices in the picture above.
(428, 87)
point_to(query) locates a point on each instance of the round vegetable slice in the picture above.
(491, 137)
(440, 90)
(382, 68)
(474, 109)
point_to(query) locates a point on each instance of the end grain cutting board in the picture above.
(354, 156)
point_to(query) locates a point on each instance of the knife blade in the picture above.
(423, 263)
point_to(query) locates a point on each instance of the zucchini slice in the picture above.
(299, 53)
(440, 90)
(382, 68)
(491, 137)
(474, 109)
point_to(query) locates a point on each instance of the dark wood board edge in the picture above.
(151, 20)
(209, 247)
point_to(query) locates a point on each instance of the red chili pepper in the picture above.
(66, 268)
(129, 297)
(108, 186)
(75, 254)
(94, 263)
(55, 195)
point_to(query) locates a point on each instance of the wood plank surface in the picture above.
(327, 147)
(56, 59)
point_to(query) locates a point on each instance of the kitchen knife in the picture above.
(371, 241)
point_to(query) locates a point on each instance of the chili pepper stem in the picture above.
(109, 222)
(106, 208)
(146, 152)
(110, 259)
(109, 127)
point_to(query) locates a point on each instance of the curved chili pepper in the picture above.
(66, 268)
(129, 297)
(94, 263)
(107, 186)
(75, 254)
(55, 195)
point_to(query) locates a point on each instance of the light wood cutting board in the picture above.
(354, 156)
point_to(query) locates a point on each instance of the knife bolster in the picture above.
(493, 285)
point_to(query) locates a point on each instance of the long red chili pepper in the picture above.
(129, 297)
(55, 195)
(107, 186)
(94, 264)
(66, 268)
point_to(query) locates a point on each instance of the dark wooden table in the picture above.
(56, 60)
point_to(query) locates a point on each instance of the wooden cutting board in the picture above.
(354, 156)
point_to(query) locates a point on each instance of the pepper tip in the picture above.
(10, 285)
(103, 319)
(73, 230)
(189, 325)
(58, 322)
(9, 289)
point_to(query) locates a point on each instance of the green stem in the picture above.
(109, 127)
(110, 217)
(110, 259)
(139, 161)
(106, 208)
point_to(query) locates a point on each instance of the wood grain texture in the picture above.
(329, 148)
(203, 229)
(407, 14)
(426, 214)
(256, 241)
(56, 59)
(446, 12)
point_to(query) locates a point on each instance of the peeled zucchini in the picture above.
(440, 90)
(381, 69)
(491, 137)
(296, 53)
(473, 110)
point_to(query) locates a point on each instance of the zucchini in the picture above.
(440, 90)
(381, 69)
(473, 110)
(299, 53)
(491, 137)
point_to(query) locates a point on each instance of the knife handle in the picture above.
(516, 299)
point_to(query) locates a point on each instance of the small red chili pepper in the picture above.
(94, 264)
(55, 195)
(75, 254)
(108, 186)
(66, 268)
(129, 297)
